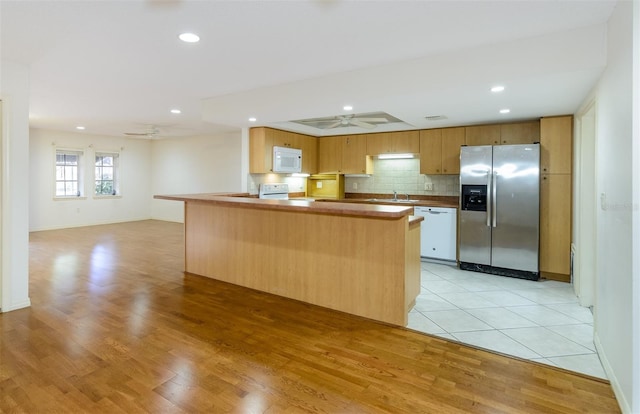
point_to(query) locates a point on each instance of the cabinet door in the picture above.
(431, 151)
(405, 142)
(556, 137)
(555, 223)
(283, 138)
(379, 143)
(330, 154)
(452, 140)
(482, 135)
(309, 147)
(260, 151)
(354, 154)
(520, 133)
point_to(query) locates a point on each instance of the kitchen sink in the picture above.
(391, 200)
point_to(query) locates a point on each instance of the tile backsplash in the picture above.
(403, 176)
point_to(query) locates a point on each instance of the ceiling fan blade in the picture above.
(361, 124)
(314, 121)
(335, 124)
(377, 120)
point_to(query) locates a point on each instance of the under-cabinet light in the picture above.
(299, 175)
(394, 156)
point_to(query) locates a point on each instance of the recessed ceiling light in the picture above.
(505, 111)
(189, 37)
(252, 119)
(176, 111)
(497, 89)
(80, 128)
(347, 107)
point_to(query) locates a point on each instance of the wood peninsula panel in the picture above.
(358, 265)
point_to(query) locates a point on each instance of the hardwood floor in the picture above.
(116, 326)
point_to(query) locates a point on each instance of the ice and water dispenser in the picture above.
(474, 197)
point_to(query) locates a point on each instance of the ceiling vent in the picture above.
(435, 117)
(368, 121)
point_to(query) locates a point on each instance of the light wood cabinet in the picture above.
(452, 140)
(556, 144)
(393, 142)
(555, 226)
(556, 137)
(330, 154)
(482, 135)
(503, 134)
(440, 150)
(354, 155)
(344, 154)
(431, 151)
(261, 143)
(520, 133)
(309, 147)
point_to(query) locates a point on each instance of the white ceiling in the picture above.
(118, 66)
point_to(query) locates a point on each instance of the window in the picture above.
(106, 174)
(68, 173)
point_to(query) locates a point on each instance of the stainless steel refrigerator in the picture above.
(500, 209)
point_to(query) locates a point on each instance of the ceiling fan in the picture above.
(340, 121)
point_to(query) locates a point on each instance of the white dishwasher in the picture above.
(438, 232)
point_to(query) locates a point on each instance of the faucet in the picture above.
(407, 196)
(395, 195)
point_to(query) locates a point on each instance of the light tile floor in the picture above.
(541, 321)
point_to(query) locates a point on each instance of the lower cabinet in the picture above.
(555, 226)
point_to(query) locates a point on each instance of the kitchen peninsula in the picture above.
(357, 258)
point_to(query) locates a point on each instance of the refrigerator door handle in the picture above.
(494, 201)
(489, 207)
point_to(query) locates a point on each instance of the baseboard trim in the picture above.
(15, 306)
(613, 380)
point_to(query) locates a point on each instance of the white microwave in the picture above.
(287, 160)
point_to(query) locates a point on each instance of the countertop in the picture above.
(337, 207)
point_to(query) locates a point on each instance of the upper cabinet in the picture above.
(330, 154)
(393, 142)
(354, 155)
(440, 150)
(344, 154)
(556, 144)
(452, 140)
(482, 135)
(431, 151)
(503, 134)
(520, 133)
(261, 143)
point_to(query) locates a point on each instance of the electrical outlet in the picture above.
(355, 186)
(318, 184)
(428, 186)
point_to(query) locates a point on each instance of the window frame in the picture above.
(80, 194)
(116, 173)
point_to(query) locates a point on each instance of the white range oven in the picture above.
(274, 191)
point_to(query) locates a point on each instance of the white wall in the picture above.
(613, 323)
(14, 277)
(204, 164)
(132, 204)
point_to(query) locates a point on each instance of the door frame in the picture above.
(584, 207)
